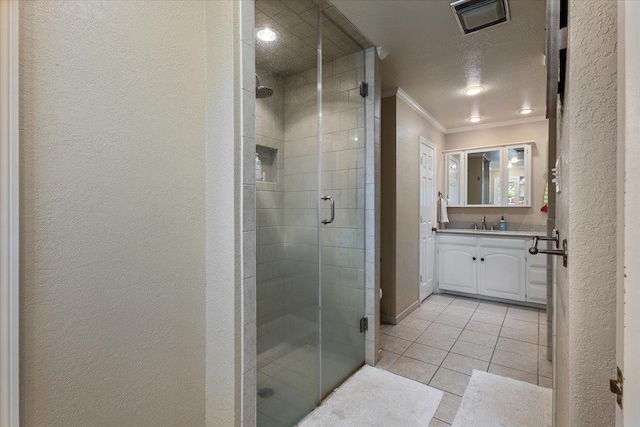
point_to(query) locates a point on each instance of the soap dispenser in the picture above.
(503, 224)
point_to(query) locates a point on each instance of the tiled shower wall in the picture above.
(372, 180)
(270, 268)
(300, 203)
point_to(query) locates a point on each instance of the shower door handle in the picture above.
(333, 210)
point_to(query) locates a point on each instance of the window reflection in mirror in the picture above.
(483, 178)
(516, 175)
(454, 169)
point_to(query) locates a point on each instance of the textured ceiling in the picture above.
(295, 50)
(433, 62)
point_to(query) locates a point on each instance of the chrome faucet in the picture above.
(484, 223)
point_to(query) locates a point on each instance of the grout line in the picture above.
(490, 362)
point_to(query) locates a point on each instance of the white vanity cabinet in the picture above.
(493, 266)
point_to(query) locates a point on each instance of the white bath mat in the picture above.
(373, 397)
(495, 401)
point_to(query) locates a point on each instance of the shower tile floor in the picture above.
(290, 371)
(444, 339)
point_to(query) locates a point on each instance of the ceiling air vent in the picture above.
(476, 15)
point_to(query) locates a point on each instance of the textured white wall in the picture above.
(112, 213)
(586, 216)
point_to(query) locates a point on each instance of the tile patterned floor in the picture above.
(443, 340)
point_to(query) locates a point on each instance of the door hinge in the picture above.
(364, 89)
(616, 387)
(364, 324)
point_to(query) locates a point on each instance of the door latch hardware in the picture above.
(364, 89)
(364, 324)
(616, 387)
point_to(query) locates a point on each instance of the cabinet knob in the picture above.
(481, 259)
(474, 258)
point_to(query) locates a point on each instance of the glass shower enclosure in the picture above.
(310, 217)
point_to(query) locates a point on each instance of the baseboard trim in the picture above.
(394, 320)
(492, 299)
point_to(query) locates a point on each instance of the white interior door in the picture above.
(628, 292)
(427, 217)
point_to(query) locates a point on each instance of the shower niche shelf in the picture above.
(269, 158)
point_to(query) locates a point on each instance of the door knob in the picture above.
(434, 229)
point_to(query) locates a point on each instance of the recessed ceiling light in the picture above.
(526, 111)
(267, 34)
(473, 90)
(475, 119)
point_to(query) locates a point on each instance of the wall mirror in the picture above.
(483, 178)
(489, 176)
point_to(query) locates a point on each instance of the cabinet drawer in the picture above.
(493, 242)
(448, 239)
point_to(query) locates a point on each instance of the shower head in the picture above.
(262, 91)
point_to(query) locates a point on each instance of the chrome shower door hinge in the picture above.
(364, 89)
(364, 324)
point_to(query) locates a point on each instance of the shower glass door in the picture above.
(342, 178)
(310, 267)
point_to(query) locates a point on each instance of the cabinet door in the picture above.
(457, 268)
(501, 273)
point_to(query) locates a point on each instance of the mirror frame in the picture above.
(504, 174)
(462, 182)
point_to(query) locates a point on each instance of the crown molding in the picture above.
(386, 93)
(424, 113)
(418, 108)
(497, 124)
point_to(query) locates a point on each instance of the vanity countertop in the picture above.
(508, 233)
